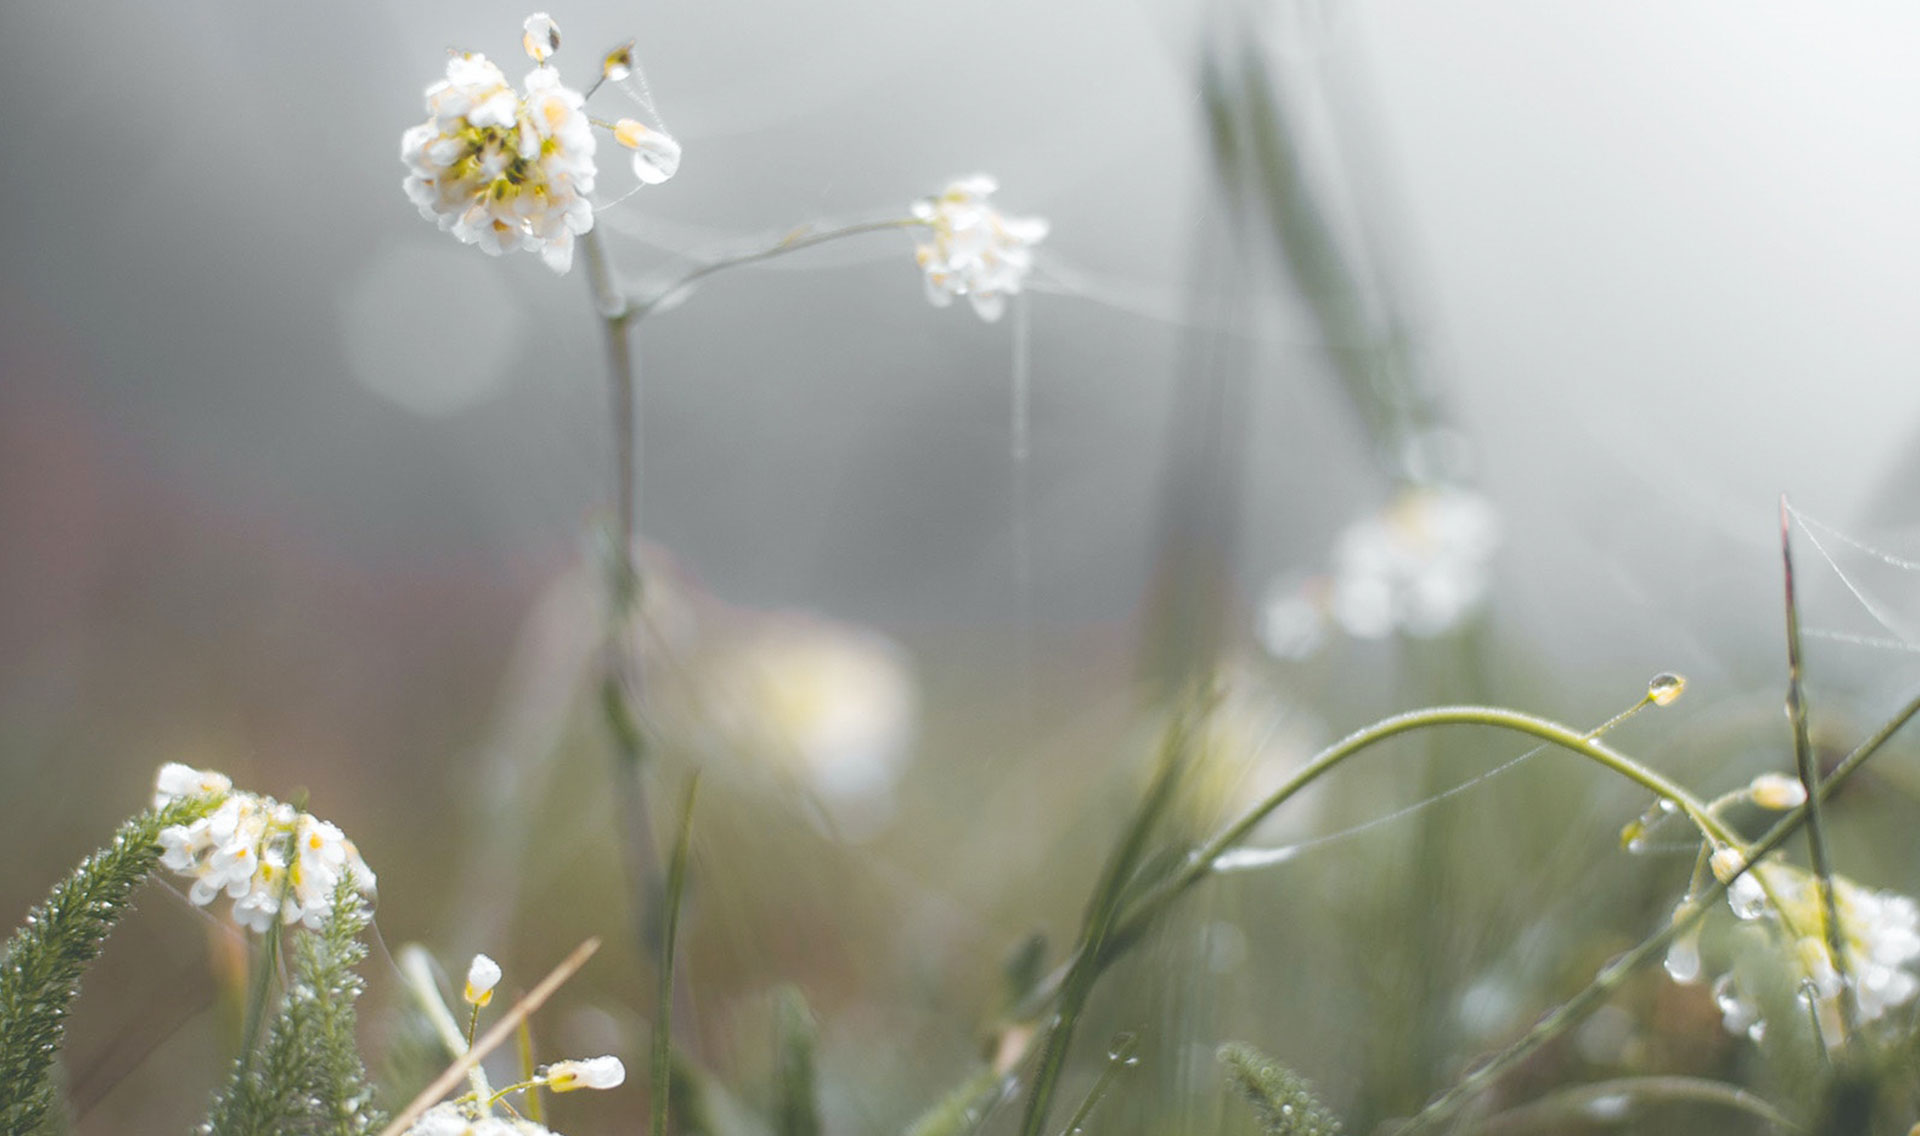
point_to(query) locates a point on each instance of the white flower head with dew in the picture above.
(501, 169)
(1880, 939)
(272, 860)
(975, 251)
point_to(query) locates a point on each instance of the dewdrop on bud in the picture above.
(618, 63)
(1633, 837)
(1665, 688)
(1745, 895)
(593, 1073)
(542, 38)
(656, 156)
(1777, 791)
(1683, 956)
(482, 976)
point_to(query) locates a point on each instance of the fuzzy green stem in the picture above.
(43, 962)
(793, 241)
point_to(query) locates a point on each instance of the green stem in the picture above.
(794, 241)
(663, 1027)
(1810, 781)
(536, 1111)
(267, 963)
(622, 682)
(1120, 1058)
(1578, 1102)
(416, 968)
(1200, 865)
(1102, 917)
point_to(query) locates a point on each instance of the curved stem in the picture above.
(1585, 745)
(1572, 1103)
(800, 238)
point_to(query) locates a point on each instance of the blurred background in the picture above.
(295, 487)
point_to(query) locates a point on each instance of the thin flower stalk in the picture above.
(792, 242)
(1200, 865)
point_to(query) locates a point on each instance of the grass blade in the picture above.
(670, 927)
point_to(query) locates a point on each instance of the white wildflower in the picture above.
(975, 251)
(483, 974)
(501, 170)
(270, 859)
(177, 781)
(1418, 567)
(1880, 939)
(591, 1073)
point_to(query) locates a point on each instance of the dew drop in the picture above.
(1665, 688)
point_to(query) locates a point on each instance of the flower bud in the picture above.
(592, 1073)
(656, 156)
(482, 976)
(542, 38)
(619, 63)
(1666, 688)
(1777, 791)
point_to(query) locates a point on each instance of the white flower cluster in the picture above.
(1418, 567)
(1880, 937)
(268, 857)
(976, 251)
(506, 170)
